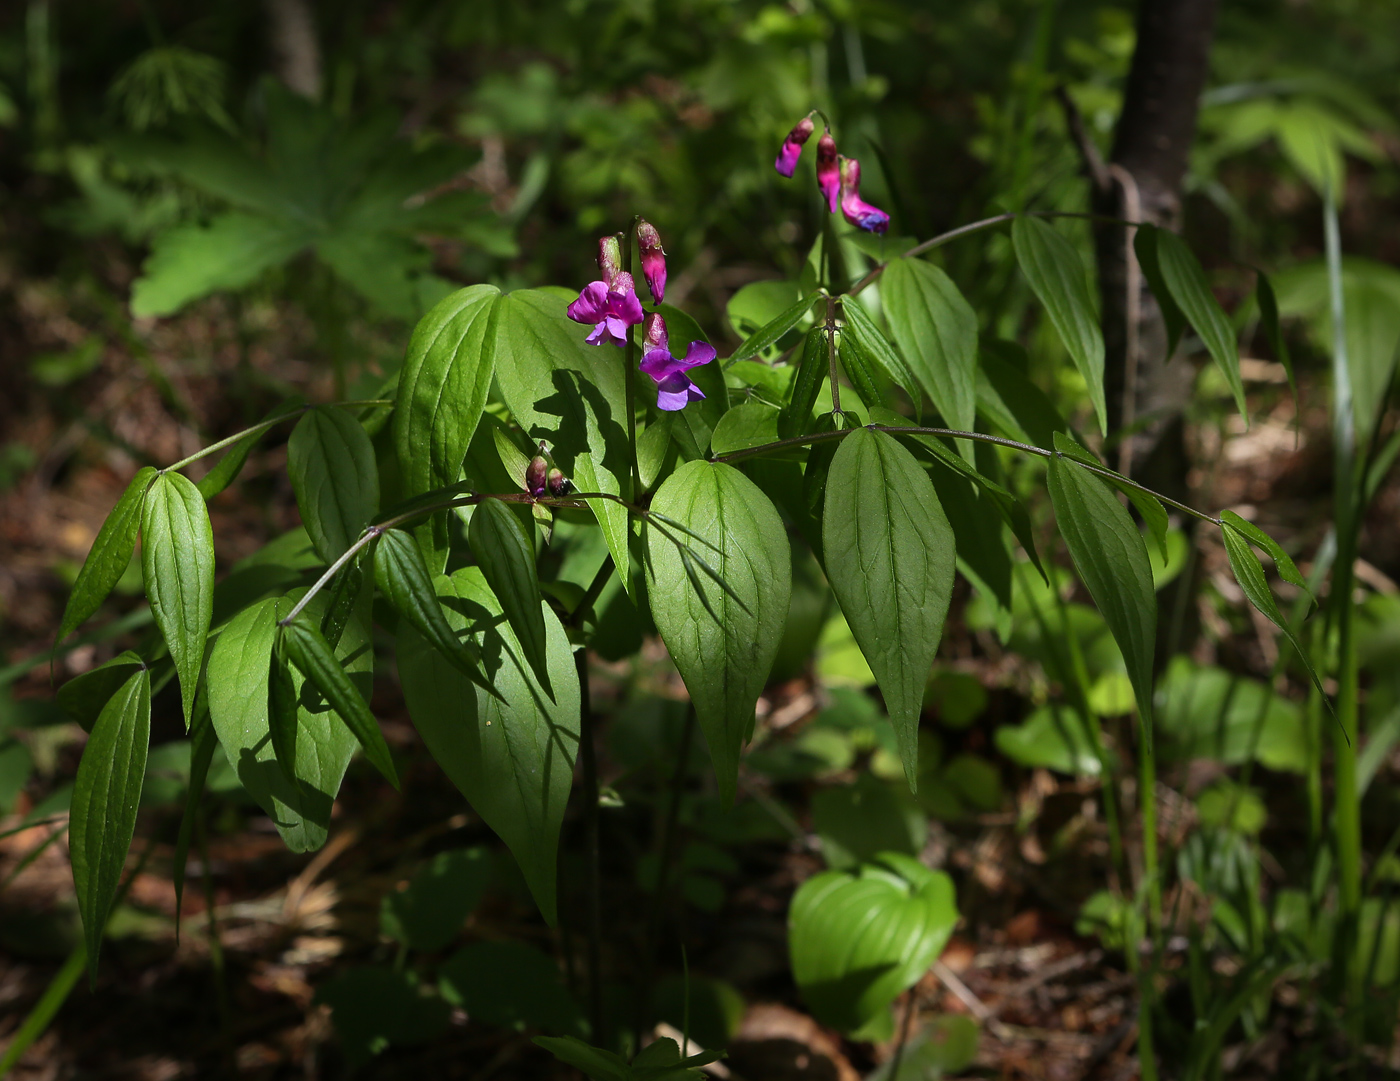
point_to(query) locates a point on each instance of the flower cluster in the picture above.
(611, 305)
(838, 177)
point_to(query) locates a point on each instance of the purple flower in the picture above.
(536, 474)
(610, 307)
(828, 170)
(792, 146)
(653, 259)
(856, 210)
(674, 389)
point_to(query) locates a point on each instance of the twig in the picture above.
(975, 1005)
(1132, 311)
(1094, 166)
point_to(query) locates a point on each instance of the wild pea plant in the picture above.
(514, 411)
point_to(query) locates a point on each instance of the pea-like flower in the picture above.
(828, 170)
(791, 149)
(674, 389)
(856, 210)
(653, 259)
(611, 307)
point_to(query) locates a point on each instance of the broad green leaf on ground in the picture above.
(722, 637)
(1249, 573)
(106, 795)
(571, 395)
(507, 560)
(109, 556)
(936, 331)
(771, 331)
(890, 557)
(195, 259)
(84, 697)
(857, 822)
(442, 391)
(862, 336)
(428, 913)
(309, 651)
(1207, 712)
(513, 757)
(177, 564)
(595, 1063)
(858, 940)
(510, 984)
(1109, 553)
(1056, 275)
(330, 461)
(239, 665)
(1055, 736)
(374, 1007)
(1186, 281)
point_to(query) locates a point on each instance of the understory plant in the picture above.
(865, 425)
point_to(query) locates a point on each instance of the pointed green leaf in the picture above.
(442, 392)
(771, 331)
(1154, 515)
(231, 464)
(1056, 275)
(311, 653)
(1145, 248)
(1109, 553)
(1249, 573)
(1186, 281)
(890, 557)
(596, 1063)
(866, 339)
(571, 395)
(795, 417)
(106, 795)
(507, 559)
(1287, 569)
(722, 640)
(177, 563)
(330, 461)
(109, 556)
(936, 331)
(239, 694)
(512, 756)
(282, 713)
(203, 741)
(83, 697)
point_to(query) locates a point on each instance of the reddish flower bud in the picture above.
(654, 333)
(653, 259)
(828, 170)
(792, 146)
(558, 483)
(536, 474)
(609, 258)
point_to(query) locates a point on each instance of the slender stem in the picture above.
(910, 1004)
(594, 591)
(263, 426)
(588, 759)
(1147, 813)
(831, 354)
(630, 373)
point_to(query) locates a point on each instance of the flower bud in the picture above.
(609, 258)
(558, 483)
(828, 170)
(653, 259)
(536, 474)
(654, 333)
(792, 146)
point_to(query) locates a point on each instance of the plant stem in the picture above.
(831, 354)
(630, 374)
(1147, 813)
(589, 760)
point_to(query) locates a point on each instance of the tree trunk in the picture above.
(296, 52)
(1145, 388)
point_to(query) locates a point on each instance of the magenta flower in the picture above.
(856, 210)
(828, 170)
(791, 149)
(610, 307)
(674, 389)
(653, 259)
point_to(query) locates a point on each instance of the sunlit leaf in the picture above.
(109, 556)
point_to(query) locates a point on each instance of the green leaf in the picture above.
(936, 331)
(1186, 281)
(1056, 275)
(856, 363)
(1273, 329)
(374, 1007)
(571, 395)
(1145, 247)
(282, 713)
(796, 415)
(231, 464)
(890, 557)
(597, 1064)
(1207, 712)
(1055, 736)
(1109, 553)
(84, 697)
(106, 795)
(1154, 515)
(752, 424)
(330, 461)
(867, 340)
(510, 984)
(512, 757)
(177, 563)
(858, 822)
(442, 392)
(310, 652)
(1010, 401)
(237, 678)
(191, 261)
(430, 911)
(204, 740)
(1249, 573)
(507, 560)
(1287, 569)
(723, 640)
(771, 331)
(109, 556)
(858, 940)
